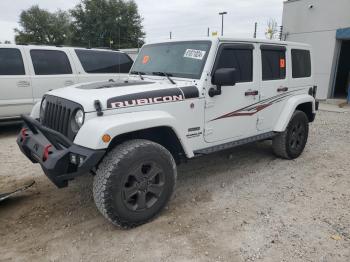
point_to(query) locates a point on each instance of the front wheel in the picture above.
(291, 143)
(134, 182)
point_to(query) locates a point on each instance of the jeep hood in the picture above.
(121, 94)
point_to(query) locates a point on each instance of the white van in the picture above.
(27, 72)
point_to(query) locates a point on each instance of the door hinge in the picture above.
(259, 121)
(209, 104)
(208, 131)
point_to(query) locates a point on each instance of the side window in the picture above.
(239, 58)
(273, 62)
(11, 62)
(301, 63)
(95, 62)
(50, 62)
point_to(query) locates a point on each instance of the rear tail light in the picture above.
(313, 91)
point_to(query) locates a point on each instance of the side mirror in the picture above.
(222, 77)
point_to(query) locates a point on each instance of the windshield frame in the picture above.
(172, 74)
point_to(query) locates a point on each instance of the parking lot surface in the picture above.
(242, 204)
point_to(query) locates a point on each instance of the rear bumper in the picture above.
(60, 159)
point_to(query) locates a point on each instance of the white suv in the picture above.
(183, 99)
(28, 72)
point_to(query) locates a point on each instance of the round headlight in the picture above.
(42, 108)
(43, 104)
(79, 118)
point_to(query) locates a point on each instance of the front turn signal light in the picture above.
(106, 138)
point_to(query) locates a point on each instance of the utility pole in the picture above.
(222, 22)
(255, 29)
(170, 35)
(208, 32)
(118, 20)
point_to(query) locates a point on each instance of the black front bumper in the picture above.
(54, 152)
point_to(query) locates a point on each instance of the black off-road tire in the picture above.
(291, 143)
(123, 178)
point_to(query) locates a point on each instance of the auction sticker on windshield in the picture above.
(195, 54)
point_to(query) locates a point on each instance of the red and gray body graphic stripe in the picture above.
(257, 107)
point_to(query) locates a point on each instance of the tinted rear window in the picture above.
(11, 62)
(95, 62)
(273, 64)
(50, 62)
(301, 63)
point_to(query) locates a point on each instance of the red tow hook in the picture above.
(24, 133)
(46, 152)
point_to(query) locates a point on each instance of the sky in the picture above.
(184, 18)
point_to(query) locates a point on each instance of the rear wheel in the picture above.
(134, 182)
(291, 143)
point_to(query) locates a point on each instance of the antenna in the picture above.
(255, 29)
(281, 32)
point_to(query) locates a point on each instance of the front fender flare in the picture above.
(289, 109)
(90, 134)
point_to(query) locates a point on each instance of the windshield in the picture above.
(178, 59)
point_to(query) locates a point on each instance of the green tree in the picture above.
(42, 27)
(115, 23)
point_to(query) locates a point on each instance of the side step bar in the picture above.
(232, 144)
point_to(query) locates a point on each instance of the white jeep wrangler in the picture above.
(182, 99)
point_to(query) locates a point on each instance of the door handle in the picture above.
(23, 83)
(282, 89)
(68, 83)
(251, 93)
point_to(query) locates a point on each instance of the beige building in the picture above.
(325, 25)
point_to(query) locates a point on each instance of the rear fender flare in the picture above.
(289, 109)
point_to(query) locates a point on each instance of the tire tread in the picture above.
(102, 183)
(279, 142)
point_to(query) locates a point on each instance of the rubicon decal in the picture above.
(153, 97)
(147, 101)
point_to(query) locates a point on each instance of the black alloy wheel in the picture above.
(143, 186)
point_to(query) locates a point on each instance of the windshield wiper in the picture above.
(165, 74)
(138, 73)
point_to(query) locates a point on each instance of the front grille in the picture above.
(58, 114)
(57, 117)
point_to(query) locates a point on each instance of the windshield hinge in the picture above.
(98, 107)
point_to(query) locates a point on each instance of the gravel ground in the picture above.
(243, 204)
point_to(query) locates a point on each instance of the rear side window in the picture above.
(239, 58)
(273, 62)
(95, 62)
(301, 63)
(11, 62)
(50, 62)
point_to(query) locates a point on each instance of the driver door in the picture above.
(232, 115)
